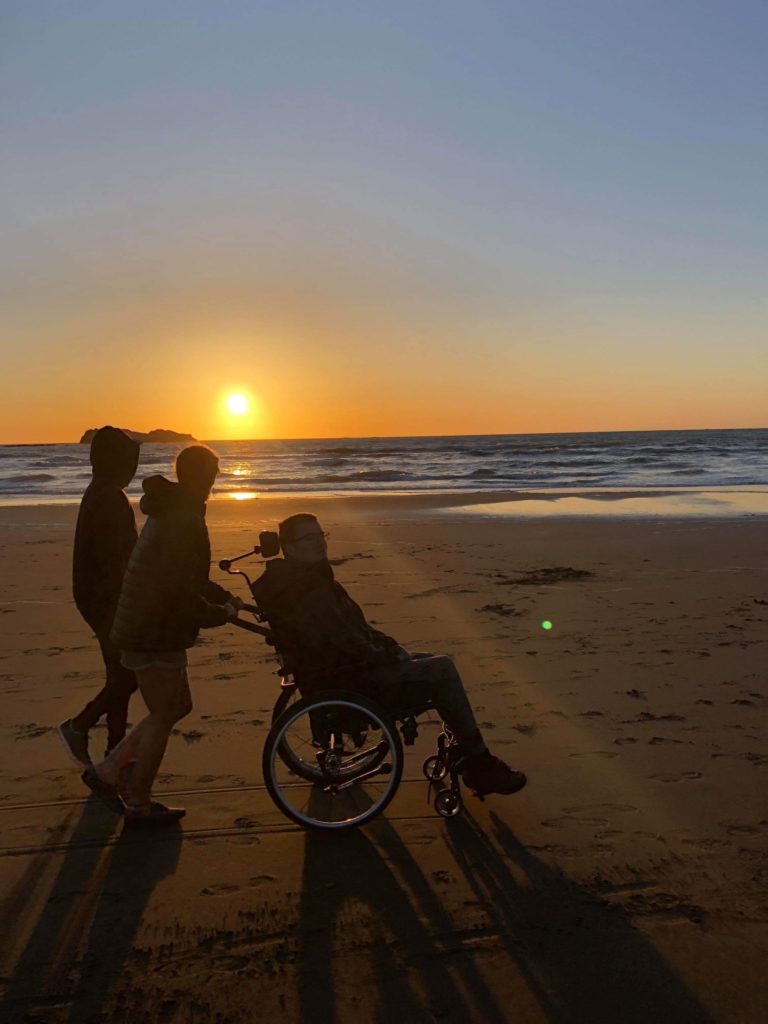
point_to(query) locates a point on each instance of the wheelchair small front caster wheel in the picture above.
(433, 769)
(448, 804)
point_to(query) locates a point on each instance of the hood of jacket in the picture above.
(162, 496)
(114, 455)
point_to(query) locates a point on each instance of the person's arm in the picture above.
(214, 594)
(382, 641)
(328, 622)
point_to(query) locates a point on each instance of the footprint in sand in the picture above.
(595, 753)
(259, 880)
(192, 736)
(746, 828)
(619, 808)
(414, 834)
(32, 731)
(572, 819)
(703, 844)
(219, 890)
(681, 777)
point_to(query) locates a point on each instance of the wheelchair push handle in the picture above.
(251, 627)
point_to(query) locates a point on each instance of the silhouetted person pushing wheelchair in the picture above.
(166, 598)
(327, 643)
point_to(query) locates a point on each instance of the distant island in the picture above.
(153, 437)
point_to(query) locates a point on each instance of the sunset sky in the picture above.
(377, 218)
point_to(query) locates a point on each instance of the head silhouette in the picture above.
(196, 469)
(302, 539)
(114, 456)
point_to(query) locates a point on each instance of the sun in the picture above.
(237, 404)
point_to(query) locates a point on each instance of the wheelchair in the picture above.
(333, 759)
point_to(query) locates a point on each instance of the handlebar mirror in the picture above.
(268, 547)
(269, 544)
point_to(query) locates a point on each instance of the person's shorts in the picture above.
(137, 661)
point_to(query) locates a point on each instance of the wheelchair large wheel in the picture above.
(357, 755)
(302, 761)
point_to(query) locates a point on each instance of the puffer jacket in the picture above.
(166, 595)
(318, 628)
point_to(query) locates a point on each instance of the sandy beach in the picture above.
(628, 882)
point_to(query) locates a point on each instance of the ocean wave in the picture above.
(647, 459)
(367, 475)
(23, 478)
(59, 460)
(370, 452)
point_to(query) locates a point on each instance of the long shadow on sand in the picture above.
(364, 893)
(79, 945)
(373, 927)
(582, 961)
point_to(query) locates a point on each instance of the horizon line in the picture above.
(393, 437)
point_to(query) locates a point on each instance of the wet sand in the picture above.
(628, 882)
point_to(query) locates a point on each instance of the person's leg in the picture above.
(85, 720)
(74, 731)
(432, 681)
(435, 681)
(121, 683)
(166, 694)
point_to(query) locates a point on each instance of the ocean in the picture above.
(637, 460)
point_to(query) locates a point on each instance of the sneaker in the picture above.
(154, 814)
(486, 774)
(75, 743)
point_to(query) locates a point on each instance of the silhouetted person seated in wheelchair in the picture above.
(328, 644)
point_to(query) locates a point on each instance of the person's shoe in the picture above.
(485, 774)
(75, 743)
(154, 814)
(105, 791)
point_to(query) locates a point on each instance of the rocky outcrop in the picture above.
(153, 437)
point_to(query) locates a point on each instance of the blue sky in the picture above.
(512, 203)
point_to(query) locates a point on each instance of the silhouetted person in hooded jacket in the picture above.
(104, 539)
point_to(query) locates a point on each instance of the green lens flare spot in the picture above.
(546, 624)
